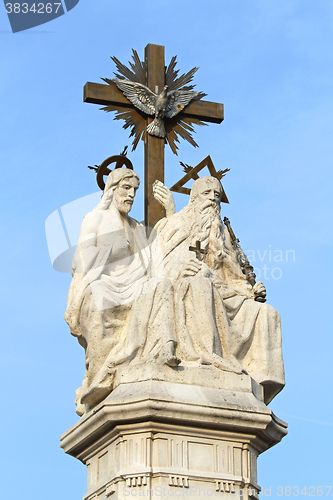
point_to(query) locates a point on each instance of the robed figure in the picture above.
(119, 309)
(218, 320)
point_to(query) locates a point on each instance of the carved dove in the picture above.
(165, 105)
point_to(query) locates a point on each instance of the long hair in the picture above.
(112, 182)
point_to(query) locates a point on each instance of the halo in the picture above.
(103, 169)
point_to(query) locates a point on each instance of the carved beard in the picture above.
(207, 228)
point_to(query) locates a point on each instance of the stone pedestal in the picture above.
(167, 432)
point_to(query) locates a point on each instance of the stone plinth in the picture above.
(173, 432)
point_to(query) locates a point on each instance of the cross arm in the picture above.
(98, 93)
(205, 110)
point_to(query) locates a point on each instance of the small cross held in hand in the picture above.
(198, 250)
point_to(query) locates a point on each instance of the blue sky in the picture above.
(270, 63)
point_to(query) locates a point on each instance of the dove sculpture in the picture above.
(163, 105)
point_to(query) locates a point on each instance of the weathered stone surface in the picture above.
(118, 309)
(181, 359)
(134, 301)
(218, 319)
(155, 435)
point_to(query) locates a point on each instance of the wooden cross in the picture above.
(198, 250)
(154, 146)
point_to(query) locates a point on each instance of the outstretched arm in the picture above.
(164, 197)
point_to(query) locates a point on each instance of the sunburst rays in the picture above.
(179, 127)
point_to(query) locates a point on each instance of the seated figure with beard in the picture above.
(118, 308)
(218, 320)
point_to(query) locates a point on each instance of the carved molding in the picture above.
(225, 486)
(147, 455)
(180, 481)
(110, 489)
(140, 480)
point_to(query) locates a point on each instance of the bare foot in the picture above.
(80, 408)
(99, 388)
(204, 361)
(172, 361)
(167, 355)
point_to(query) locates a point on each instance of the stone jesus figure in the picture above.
(218, 321)
(118, 309)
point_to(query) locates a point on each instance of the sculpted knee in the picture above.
(200, 283)
(165, 286)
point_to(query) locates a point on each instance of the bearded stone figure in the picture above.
(119, 309)
(218, 321)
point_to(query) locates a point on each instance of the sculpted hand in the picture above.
(259, 291)
(191, 268)
(164, 197)
(194, 267)
(205, 271)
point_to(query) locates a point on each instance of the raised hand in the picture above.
(164, 197)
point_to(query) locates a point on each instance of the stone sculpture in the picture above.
(182, 353)
(218, 322)
(166, 104)
(132, 301)
(118, 308)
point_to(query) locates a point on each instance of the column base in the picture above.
(162, 436)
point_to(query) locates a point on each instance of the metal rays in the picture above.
(180, 126)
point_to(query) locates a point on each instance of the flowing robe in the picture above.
(216, 315)
(120, 312)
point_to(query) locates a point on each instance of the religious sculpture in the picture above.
(147, 88)
(133, 301)
(166, 104)
(218, 320)
(182, 352)
(119, 310)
